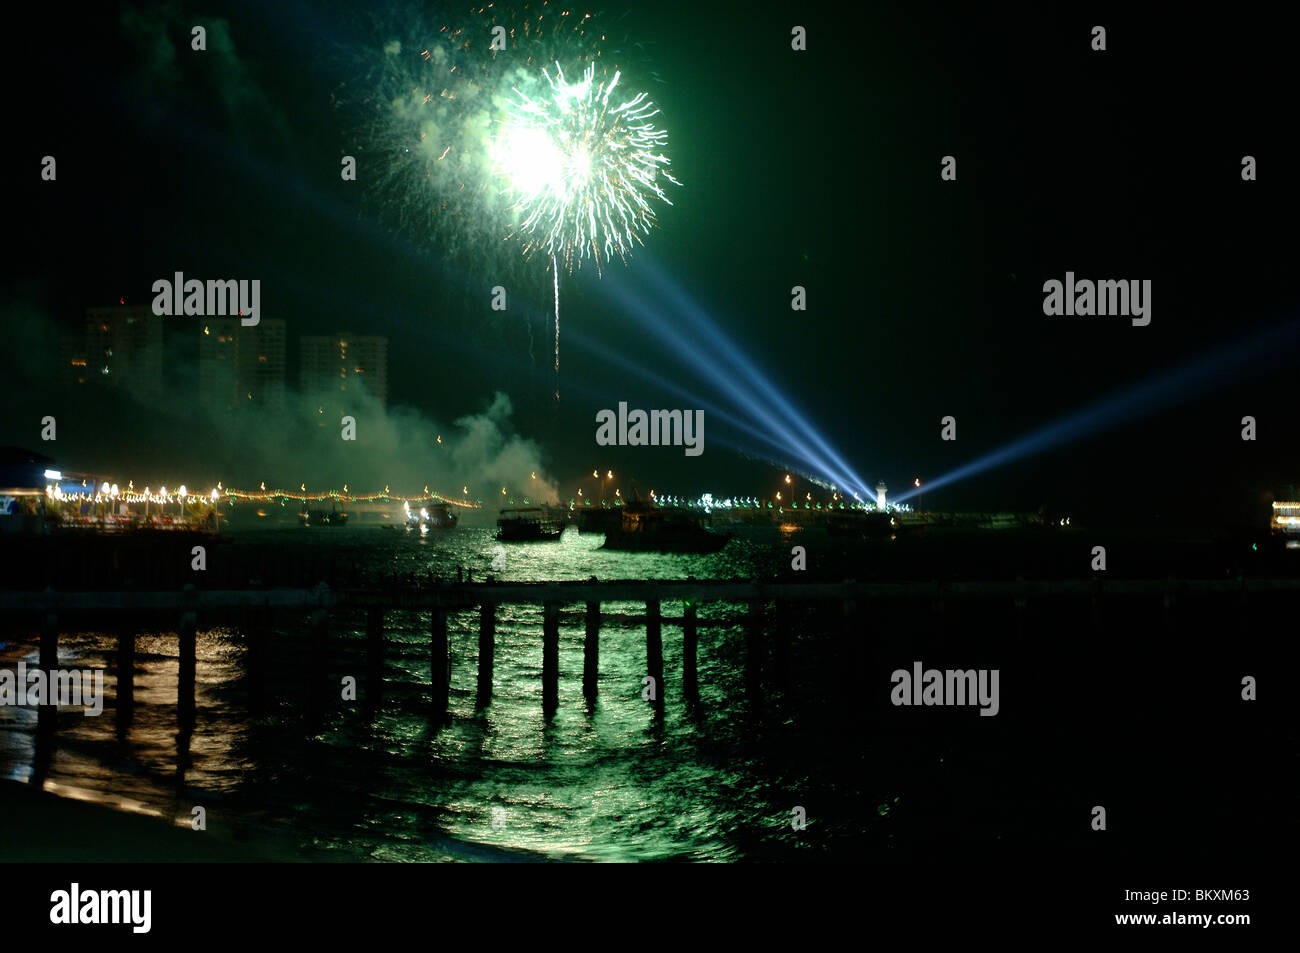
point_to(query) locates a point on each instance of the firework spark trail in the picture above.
(580, 169)
(580, 172)
(477, 146)
(532, 358)
(555, 275)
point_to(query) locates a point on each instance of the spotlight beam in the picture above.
(710, 370)
(611, 356)
(692, 310)
(1212, 370)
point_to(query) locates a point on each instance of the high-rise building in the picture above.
(124, 348)
(262, 350)
(344, 362)
(218, 362)
(239, 364)
(72, 357)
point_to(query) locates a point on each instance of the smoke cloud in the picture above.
(172, 437)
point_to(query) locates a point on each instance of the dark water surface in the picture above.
(1139, 710)
(607, 785)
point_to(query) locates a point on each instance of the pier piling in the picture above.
(49, 642)
(858, 615)
(690, 649)
(186, 650)
(849, 636)
(487, 637)
(1097, 611)
(259, 628)
(1170, 616)
(439, 662)
(654, 650)
(591, 653)
(550, 657)
(374, 659)
(317, 665)
(125, 670)
(754, 647)
(47, 715)
(781, 644)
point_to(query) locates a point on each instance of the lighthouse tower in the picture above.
(880, 495)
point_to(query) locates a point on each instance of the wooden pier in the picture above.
(254, 610)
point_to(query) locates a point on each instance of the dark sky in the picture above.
(817, 168)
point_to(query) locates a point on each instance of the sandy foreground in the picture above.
(38, 827)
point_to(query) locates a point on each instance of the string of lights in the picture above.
(105, 492)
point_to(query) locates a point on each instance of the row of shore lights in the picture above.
(835, 495)
(112, 491)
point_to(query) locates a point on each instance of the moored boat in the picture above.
(433, 516)
(599, 519)
(861, 525)
(527, 524)
(646, 528)
(334, 517)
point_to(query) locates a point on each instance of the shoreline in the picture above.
(39, 827)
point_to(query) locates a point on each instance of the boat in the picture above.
(646, 528)
(860, 525)
(434, 516)
(527, 524)
(335, 517)
(599, 520)
(441, 516)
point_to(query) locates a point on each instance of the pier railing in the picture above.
(127, 610)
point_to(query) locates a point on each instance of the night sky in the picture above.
(817, 168)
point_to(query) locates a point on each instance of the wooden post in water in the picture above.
(591, 653)
(1170, 616)
(319, 642)
(781, 644)
(1097, 611)
(374, 659)
(550, 658)
(260, 625)
(1020, 602)
(754, 647)
(654, 651)
(439, 666)
(47, 715)
(487, 638)
(186, 649)
(936, 619)
(125, 670)
(49, 643)
(848, 638)
(690, 649)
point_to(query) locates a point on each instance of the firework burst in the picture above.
(581, 167)
(477, 147)
(436, 92)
